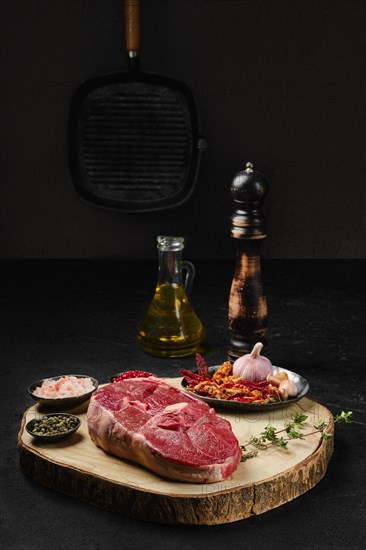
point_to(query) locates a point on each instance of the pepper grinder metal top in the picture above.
(247, 320)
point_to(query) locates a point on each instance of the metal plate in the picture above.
(302, 388)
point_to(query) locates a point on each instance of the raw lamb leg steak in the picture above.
(165, 429)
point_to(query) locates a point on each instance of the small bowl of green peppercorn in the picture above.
(53, 427)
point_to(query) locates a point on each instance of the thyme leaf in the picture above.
(344, 417)
(247, 456)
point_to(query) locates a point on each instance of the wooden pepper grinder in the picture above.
(247, 321)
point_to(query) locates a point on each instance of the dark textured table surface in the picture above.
(59, 317)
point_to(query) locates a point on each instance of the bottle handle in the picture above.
(190, 272)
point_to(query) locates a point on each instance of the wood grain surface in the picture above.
(78, 468)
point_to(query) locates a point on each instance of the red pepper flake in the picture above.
(132, 374)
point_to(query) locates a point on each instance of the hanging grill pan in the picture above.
(134, 138)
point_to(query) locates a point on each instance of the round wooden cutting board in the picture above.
(78, 468)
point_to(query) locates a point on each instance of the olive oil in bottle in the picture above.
(170, 327)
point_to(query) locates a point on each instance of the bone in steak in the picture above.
(172, 433)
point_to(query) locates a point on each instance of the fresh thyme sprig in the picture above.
(292, 430)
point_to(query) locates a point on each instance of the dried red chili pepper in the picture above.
(228, 384)
(202, 367)
(254, 385)
(246, 399)
(192, 376)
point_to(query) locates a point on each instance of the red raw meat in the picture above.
(172, 433)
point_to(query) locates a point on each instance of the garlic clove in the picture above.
(274, 380)
(289, 387)
(281, 375)
(283, 394)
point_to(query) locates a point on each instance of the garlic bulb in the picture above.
(253, 366)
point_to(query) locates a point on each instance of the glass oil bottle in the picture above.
(170, 327)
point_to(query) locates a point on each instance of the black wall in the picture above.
(280, 83)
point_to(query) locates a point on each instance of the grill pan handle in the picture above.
(132, 31)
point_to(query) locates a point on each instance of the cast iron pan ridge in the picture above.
(134, 138)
